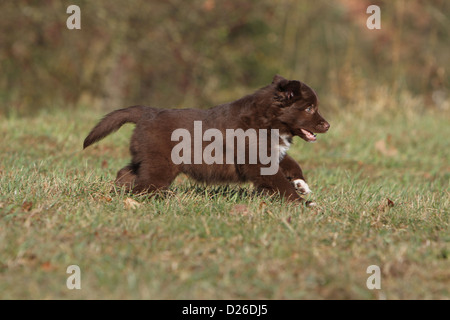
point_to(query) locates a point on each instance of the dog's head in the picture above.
(299, 111)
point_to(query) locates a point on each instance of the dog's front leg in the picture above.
(272, 184)
(292, 171)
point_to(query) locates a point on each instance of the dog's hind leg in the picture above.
(126, 177)
(154, 175)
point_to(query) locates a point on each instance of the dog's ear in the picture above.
(277, 79)
(288, 91)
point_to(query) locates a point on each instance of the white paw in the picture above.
(301, 186)
(311, 204)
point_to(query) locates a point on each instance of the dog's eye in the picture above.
(310, 109)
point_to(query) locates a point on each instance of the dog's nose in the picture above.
(326, 126)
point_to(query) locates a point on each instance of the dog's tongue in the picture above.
(309, 135)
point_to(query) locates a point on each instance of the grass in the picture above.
(212, 242)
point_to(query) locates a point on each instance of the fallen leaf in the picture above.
(389, 138)
(47, 266)
(131, 204)
(262, 205)
(27, 205)
(381, 207)
(106, 198)
(382, 148)
(386, 204)
(208, 5)
(104, 164)
(27, 260)
(390, 202)
(240, 209)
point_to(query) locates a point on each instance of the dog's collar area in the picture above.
(286, 138)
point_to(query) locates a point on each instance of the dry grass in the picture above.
(377, 206)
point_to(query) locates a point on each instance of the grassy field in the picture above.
(380, 178)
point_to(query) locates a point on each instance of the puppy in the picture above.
(277, 112)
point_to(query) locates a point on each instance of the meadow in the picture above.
(380, 177)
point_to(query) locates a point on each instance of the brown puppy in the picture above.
(276, 113)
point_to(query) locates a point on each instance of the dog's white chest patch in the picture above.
(283, 146)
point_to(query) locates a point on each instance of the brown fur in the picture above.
(281, 105)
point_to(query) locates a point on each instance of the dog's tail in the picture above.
(113, 121)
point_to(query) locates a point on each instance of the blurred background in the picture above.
(179, 54)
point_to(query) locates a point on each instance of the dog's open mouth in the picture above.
(307, 135)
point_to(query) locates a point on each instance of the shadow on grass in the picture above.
(231, 193)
